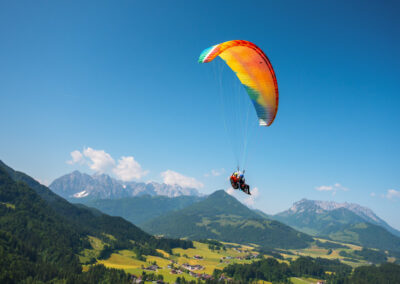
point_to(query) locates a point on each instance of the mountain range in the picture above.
(147, 204)
(345, 222)
(44, 238)
(140, 203)
(80, 186)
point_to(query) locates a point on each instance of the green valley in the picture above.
(43, 238)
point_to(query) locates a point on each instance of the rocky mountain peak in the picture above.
(306, 208)
(361, 211)
(81, 185)
(304, 205)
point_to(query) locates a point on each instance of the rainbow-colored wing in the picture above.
(254, 71)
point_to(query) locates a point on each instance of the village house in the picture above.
(240, 250)
(192, 267)
(226, 257)
(136, 279)
(251, 256)
(153, 267)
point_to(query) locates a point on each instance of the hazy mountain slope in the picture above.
(341, 222)
(366, 214)
(142, 208)
(367, 235)
(262, 214)
(222, 217)
(80, 186)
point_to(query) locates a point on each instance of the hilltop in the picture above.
(220, 216)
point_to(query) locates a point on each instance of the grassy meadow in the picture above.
(209, 259)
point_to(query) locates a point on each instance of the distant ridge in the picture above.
(323, 206)
(346, 222)
(77, 185)
(142, 208)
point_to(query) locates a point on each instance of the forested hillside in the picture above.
(42, 234)
(222, 217)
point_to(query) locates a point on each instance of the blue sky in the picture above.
(123, 77)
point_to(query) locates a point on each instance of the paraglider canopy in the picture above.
(254, 71)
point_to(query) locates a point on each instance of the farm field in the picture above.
(298, 280)
(207, 260)
(203, 259)
(315, 251)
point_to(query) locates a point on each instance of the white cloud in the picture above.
(333, 188)
(324, 188)
(128, 169)
(174, 178)
(215, 172)
(341, 187)
(77, 157)
(100, 161)
(392, 193)
(373, 194)
(250, 200)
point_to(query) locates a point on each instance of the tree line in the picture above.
(332, 271)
